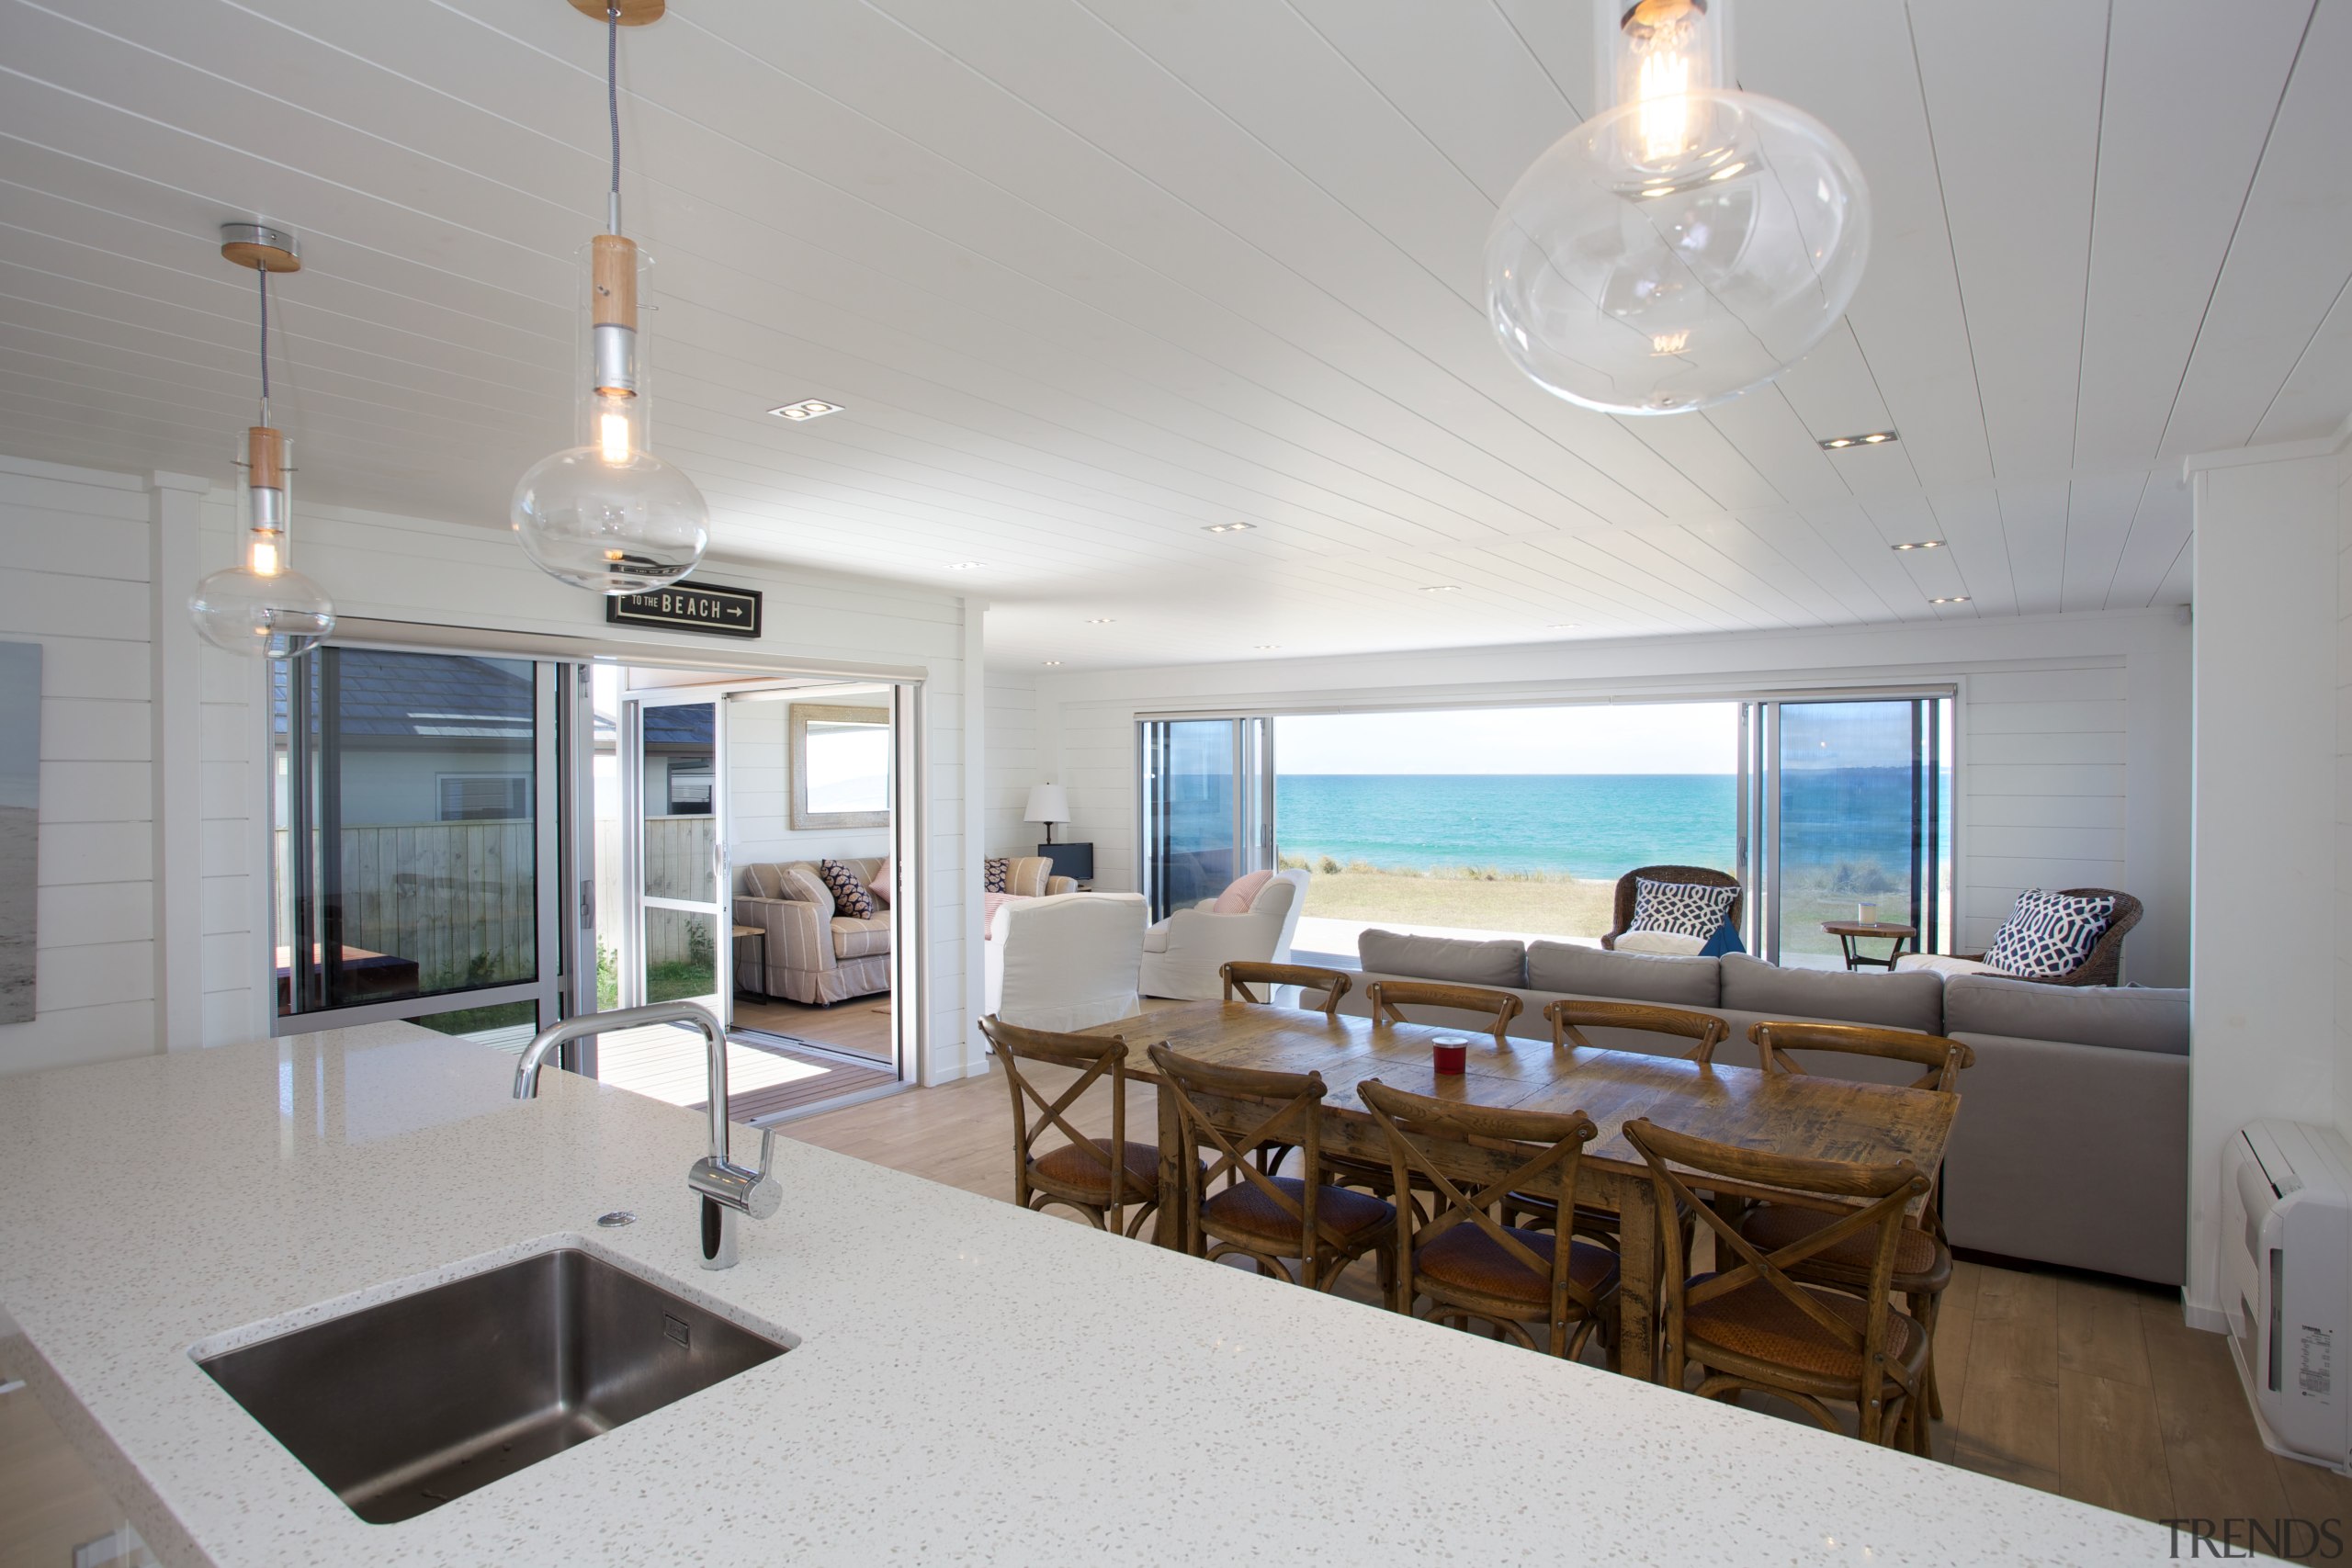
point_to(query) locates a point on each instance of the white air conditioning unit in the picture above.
(2287, 1285)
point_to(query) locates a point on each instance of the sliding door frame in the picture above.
(1758, 824)
(1251, 748)
(569, 924)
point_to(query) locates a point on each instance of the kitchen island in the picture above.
(968, 1382)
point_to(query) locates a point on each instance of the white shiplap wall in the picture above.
(77, 545)
(2073, 729)
(1012, 765)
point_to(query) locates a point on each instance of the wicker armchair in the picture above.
(2104, 966)
(1627, 891)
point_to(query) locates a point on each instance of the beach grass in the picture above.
(1474, 897)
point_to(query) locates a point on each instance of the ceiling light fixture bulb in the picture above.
(1875, 439)
(606, 515)
(1922, 544)
(1950, 599)
(1685, 244)
(1229, 527)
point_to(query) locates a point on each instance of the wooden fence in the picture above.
(458, 897)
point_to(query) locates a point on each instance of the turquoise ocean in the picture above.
(1588, 824)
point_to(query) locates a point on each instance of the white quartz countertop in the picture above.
(972, 1384)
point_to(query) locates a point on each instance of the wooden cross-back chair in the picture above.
(1387, 1000)
(1080, 1174)
(1264, 1217)
(1752, 1323)
(1468, 1263)
(1569, 1018)
(1922, 1253)
(1239, 977)
(1943, 1059)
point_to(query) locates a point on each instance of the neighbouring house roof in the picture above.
(459, 698)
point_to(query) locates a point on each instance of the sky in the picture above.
(1651, 737)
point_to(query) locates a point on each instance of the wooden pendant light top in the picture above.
(634, 13)
(613, 275)
(265, 451)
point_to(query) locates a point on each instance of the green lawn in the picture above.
(1550, 907)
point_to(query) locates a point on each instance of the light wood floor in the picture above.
(50, 1503)
(2067, 1383)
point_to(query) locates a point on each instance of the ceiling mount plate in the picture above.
(634, 13)
(261, 247)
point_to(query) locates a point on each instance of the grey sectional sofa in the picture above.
(2071, 1144)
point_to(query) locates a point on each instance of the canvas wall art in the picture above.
(20, 824)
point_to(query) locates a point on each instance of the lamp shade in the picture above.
(1047, 803)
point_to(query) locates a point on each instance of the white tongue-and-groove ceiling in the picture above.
(1090, 277)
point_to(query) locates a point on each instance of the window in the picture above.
(485, 797)
(415, 839)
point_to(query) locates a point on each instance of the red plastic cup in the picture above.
(1451, 1054)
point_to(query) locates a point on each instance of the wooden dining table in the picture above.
(1817, 1116)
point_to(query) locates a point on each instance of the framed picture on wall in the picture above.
(19, 823)
(840, 766)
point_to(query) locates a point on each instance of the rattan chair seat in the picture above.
(1921, 1263)
(1469, 1259)
(1085, 1168)
(1758, 1322)
(1248, 1212)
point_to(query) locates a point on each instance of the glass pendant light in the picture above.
(608, 514)
(261, 606)
(1683, 245)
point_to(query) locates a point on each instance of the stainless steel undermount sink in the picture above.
(402, 1406)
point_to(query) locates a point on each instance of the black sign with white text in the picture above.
(693, 607)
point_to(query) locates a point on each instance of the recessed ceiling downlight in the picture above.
(1921, 544)
(807, 408)
(1228, 527)
(1950, 599)
(1871, 438)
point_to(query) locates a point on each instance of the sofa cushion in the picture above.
(1914, 1000)
(802, 884)
(877, 881)
(860, 939)
(1943, 964)
(764, 881)
(850, 897)
(1240, 892)
(2125, 1018)
(1674, 944)
(1692, 908)
(2050, 933)
(1461, 961)
(1628, 977)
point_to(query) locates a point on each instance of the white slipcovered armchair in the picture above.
(1182, 954)
(1066, 962)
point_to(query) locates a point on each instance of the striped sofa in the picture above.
(813, 953)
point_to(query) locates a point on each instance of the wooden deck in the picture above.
(859, 1027)
(766, 1078)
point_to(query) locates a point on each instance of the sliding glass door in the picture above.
(678, 927)
(1853, 803)
(1208, 813)
(415, 841)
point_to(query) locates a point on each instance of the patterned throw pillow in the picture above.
(850, 897)
(997, 870)
(879, 888)
(1687, 909)
(2050, 933)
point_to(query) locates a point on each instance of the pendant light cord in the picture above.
(264, 272)
(612, 108)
